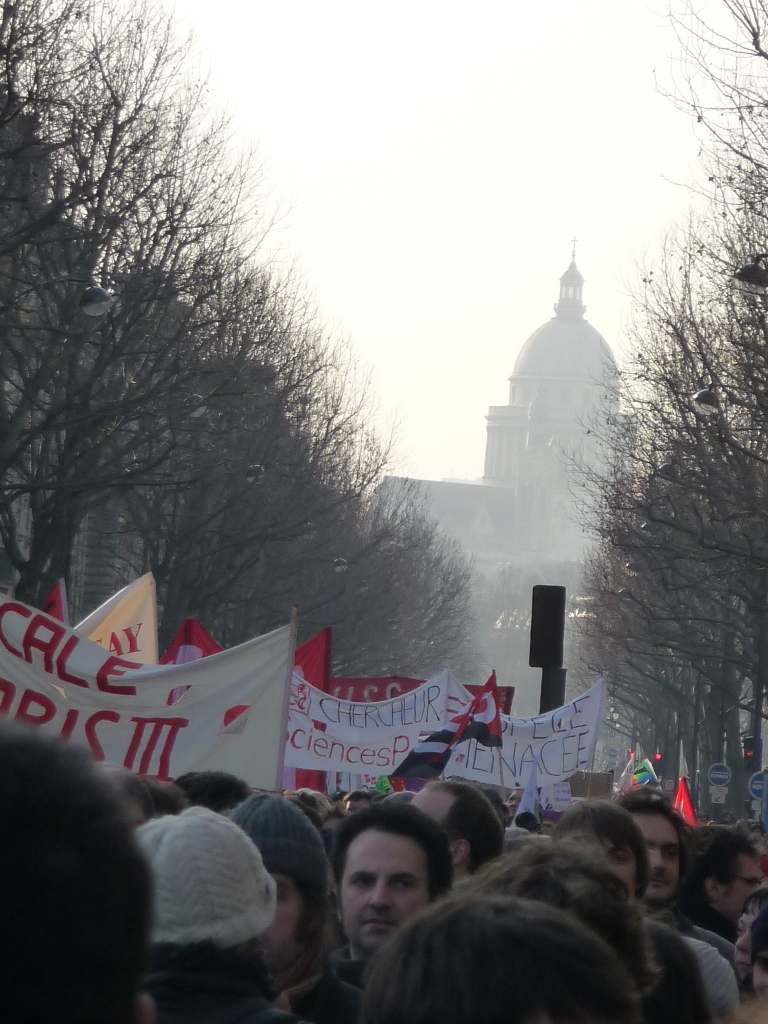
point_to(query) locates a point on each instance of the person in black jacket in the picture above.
(725, 869)
(297, 944)
(214, 901)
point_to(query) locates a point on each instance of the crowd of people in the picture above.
(131, 901)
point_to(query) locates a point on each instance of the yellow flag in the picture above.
(126, 624)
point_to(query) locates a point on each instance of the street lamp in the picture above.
(254, 474)
(752, 279)
(667, 471)
(705, 402)
(340, 565)
(95, 301)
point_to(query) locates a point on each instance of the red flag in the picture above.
(191, 643)
(312, 661)
(56, 605)
(683, 803)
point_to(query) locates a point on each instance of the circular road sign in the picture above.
(756, 786)
(668, 784)
(719, 775)
(613, 753)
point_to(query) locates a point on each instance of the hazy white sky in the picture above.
(434, 159)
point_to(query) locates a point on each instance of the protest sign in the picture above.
(559, 742)
(329, 733)
(383, 688)
(53, 679)
(126, 624)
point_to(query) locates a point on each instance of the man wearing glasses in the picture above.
(724, 870)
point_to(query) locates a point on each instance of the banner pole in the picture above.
(287, 697)
(501, 771)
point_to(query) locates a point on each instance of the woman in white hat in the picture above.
(213, 901)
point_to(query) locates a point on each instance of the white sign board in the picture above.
(560, 742)
(328, 733)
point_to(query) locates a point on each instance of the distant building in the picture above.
(523, 511)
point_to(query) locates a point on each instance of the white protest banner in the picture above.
(126, 624)
(559, 742)
(56, 680)
(328, 733)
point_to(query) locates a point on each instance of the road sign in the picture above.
(756, 786)
(717, 794)
(668, 784)
(613, 753)
(719, 775)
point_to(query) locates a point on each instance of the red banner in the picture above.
(387, 687)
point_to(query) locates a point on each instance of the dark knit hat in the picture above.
(760, 933)
(288, 843)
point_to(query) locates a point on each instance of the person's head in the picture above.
(724, 870)
(679, 995)
(390, 861)
(529, 822)
(357, 800)
(167, 797)
(293, 853)
(498, 803)
(475, 833)
(218, 791)
(210, 883)
(513, 802)
(759, 954)
(317, 801)
(609, 834)
(310, 812)
(666, 839)
(495, 960)
(753, 904)
(74, 889)
(133, 791)
(568, 879)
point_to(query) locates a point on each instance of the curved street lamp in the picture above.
(95, 301)
(705, 402)
(752, 278)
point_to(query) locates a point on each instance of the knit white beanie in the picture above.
(210, 883)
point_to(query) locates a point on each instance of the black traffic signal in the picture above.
(752, 758)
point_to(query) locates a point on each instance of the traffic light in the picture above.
(656, 759)
(630, 754)
(751, 754)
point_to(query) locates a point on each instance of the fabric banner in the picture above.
(559, 742)
(126, 624)
(56, 680)
(386, 687)
(331, 734)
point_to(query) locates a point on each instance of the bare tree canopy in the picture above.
(207, 426)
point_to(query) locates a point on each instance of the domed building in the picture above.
(564, 379)
(523, 511)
